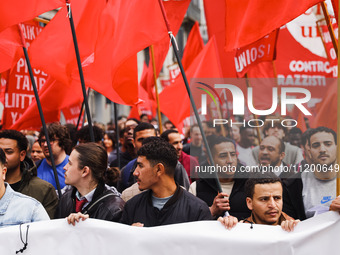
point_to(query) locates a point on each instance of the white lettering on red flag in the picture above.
(19, 92)
(252, 54)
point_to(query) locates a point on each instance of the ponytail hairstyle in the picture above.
(93, 156)
(112, 176)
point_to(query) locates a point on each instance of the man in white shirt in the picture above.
(312, 191)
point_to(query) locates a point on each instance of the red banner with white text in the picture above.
(19, 92)
(252, 54)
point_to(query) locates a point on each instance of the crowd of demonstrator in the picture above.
(156, 179)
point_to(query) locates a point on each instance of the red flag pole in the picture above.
(156, 88)
(330, 27)
(40, 110)
(80, 69)
(174, 46)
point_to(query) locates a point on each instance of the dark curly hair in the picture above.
(21, 139)
(84, 134)
(166, 133)
(259, 178)
(143, 126)
(319, 130)
(57, 131)
(216, 139)
(160, 151)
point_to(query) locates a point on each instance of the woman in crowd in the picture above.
(86, 172)
(109, 144)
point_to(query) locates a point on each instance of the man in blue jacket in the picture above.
(16, 208)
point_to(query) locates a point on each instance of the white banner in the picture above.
(319, 235)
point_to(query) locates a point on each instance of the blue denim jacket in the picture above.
(16, 208)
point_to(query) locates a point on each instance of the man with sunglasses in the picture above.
(60, 143)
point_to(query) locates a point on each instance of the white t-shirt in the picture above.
(317, 194)
(227, 187)
(245, 155)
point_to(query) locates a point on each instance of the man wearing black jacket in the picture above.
(232, 180)
(86, 171)
(165, 202)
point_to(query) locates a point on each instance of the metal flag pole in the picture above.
(175, 48)
(81, 109)
(81, 75)
(40, 110)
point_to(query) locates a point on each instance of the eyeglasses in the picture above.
(43, 141)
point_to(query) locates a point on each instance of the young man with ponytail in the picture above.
(86, 172)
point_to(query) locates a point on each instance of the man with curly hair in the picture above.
(60, 143)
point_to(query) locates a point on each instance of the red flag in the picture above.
(335, 4)
(175, 11)
(301, 122)
(254, 53)
(10, 48)
(53, 50)
(249, 20)
(215, 16)
(262, 70)
(193, 47)
(71, 113)
(147, 106)
(11, 43)
(19, 92)
(327, 109)
(109, 33)
(54, 96)
(3, 83)
(16, 11)
(328, 44)
(174, 100)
